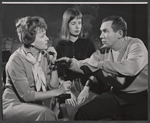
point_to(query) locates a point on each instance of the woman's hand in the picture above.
(64, 87)
(83, 95)
(52, 54)
(73, 100)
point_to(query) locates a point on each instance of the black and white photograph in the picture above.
(74, 61)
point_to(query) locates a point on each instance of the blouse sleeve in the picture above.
(16, 72)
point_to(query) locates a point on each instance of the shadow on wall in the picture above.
(92, 17)
(90, 14)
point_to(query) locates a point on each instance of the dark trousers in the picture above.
(116, 106)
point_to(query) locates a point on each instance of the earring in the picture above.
(32, 44)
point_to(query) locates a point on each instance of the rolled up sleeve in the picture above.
(137, 59)
(91, 62)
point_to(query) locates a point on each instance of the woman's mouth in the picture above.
(77, 31)
(46, 44)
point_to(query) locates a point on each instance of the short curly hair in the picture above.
(27, 28)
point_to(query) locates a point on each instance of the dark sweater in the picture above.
(80, 49)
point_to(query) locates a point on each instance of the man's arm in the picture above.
(90, 64)
(136, 60)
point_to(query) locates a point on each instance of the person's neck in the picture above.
(118, 45)
(73, 38)
(35, 52)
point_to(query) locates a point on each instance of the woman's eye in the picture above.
(79, 23)
(42, 36)
(73, 23)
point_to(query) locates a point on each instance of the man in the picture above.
(122, 62)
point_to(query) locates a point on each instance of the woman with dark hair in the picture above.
(31, 76)
(73, 45)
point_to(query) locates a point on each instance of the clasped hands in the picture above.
(81, 97)
(66, 86)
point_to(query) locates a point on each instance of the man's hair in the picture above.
(69, 15)
(118, 23)
(27, 28)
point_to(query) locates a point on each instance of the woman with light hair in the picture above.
(74, 45)
(31, 75)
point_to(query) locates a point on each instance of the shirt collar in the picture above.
(27, 50)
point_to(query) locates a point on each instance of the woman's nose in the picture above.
(77, 26)
(46, 38)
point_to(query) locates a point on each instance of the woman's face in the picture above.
(75, 26)
(41, 40)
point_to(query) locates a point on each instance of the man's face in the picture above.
(108, 36)
(41, 40)
(75, 26)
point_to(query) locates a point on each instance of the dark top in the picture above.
(80, 49)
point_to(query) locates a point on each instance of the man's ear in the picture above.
(120, 34)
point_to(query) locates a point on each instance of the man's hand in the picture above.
(83, 95)
(62, 60)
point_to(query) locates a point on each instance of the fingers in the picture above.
(63, 59)
(60, 59)
(80, 100)
(64, 87)
(60, 80)
(68, 101)
(67, 85)
(71, 102)
(87, 95)
(52, 53)
(52, 49)
(74, 101)
(67, 82)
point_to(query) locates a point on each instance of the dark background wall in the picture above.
(135, 15)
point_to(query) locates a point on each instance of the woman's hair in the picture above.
(27, 28)
(69, 15)
(118, 23)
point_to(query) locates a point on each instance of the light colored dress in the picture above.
(19, 96)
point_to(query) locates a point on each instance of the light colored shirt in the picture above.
(129, 73)
(115, 55)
